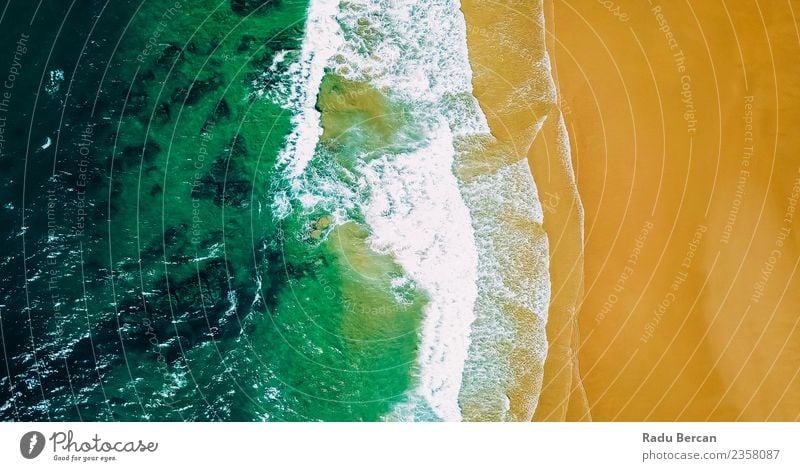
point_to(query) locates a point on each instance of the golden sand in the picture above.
(682, 124)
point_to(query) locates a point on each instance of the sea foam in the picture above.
(321, 41)
(416, 52)
(417, 210)
(417, 214)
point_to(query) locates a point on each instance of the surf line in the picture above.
(321, 41)
(420, 244)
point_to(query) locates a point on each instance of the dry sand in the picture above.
(682, 123)
(682, 120)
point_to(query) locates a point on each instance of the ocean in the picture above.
(246, 210)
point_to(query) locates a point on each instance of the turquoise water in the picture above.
(260, 210)
(179, 295)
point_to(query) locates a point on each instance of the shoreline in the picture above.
(513, 84)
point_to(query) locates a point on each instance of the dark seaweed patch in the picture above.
(171, 55)
(194, 92)
(249, 7)
(162, 114)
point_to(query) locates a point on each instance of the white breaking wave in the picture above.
(322, 40)
(416, 213)
(415, 52)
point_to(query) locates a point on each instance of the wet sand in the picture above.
(682, 120)
(513, 84)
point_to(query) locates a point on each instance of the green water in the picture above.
(182, 296)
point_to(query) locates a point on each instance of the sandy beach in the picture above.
(680, 124)
(680, 121)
